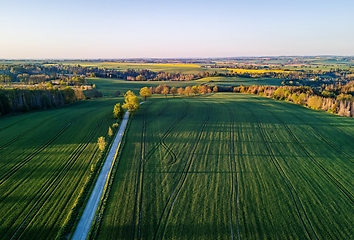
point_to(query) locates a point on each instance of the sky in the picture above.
(91, 29)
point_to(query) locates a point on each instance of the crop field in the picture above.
(232, 166)
(109, 86)
(156, 67)
(260, 71)
(237, 81)
(46, 160)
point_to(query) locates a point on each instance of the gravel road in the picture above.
(83, 228)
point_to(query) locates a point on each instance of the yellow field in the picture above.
(260, 71)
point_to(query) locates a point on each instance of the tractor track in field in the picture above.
(36, 151)
(14, 139)
(234, 178)
(311, 233)
(165, 135)
(51, 185)
(144, 158)
(138, 179)
(342, 188)
(29, 157)
(323, 137)
(328, 141)
(334, 126)
(25, 119)
(162, 223)
(136, 221)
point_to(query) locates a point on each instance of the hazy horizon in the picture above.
(181, 58)
(185, 29)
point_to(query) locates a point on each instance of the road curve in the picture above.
(83, 228)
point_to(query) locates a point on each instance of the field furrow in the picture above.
(43, 187)
(230, 166)
(162, 224)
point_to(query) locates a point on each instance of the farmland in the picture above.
(166, 67)
(47, 159)
(232, 166)
(109, 86)
(220, 166)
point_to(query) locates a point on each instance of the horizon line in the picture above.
(176, 58)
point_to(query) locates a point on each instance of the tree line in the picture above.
(77, 74)
(23, 100)
(342, 104)
(187, 91)
(340, 101)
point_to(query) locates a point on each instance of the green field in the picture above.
(46, 160)
(237, 81)
(232, 166)
(109, 86)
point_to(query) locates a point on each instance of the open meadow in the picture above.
(46, 160)
(231, 166)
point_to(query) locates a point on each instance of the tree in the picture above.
(158, 89)
(145, 93)
(140, 78)
(180, 91)
(165, 91)
(101, 143)
(110, 132)
(173, 91)
(215, 89)
(314, 102)
(187, 91)
(118, 111)
(203, 89)
(195, 90)
(131, 101)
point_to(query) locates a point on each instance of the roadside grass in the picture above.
(231, 165)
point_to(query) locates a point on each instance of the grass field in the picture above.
(109, 86)
(232, 166)
(237, 81)
(46, 160)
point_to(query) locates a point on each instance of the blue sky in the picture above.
(175, 29)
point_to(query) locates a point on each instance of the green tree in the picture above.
(131, 101)
(110, 132)
(314, 102)
(165, 91)
(140, 78)
(173, 91)
(101, 143)
(118, 111)
(180, 91)
(187, 91)
(195, 90)
(145, 93)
